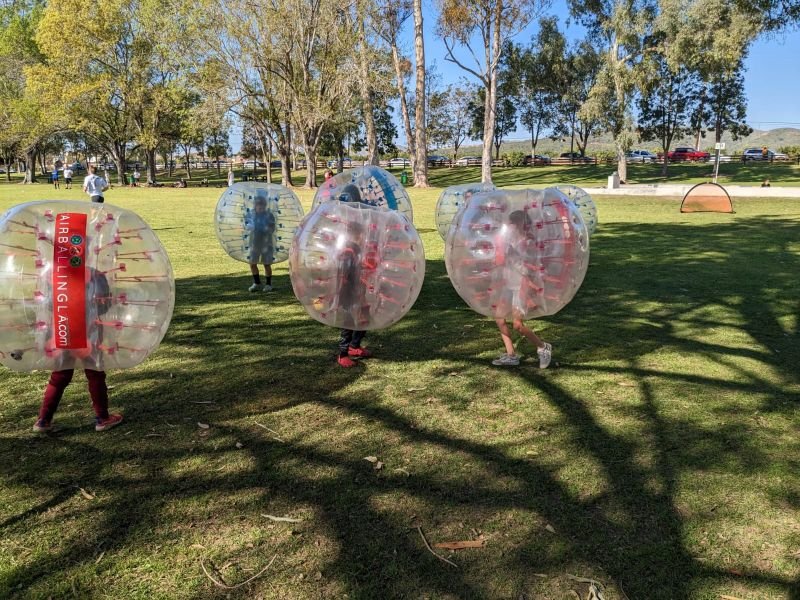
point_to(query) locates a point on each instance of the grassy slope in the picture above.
(660, 456)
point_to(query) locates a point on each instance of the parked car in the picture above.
(347, 163)
(758, 154)
(275, 164)
(640, 156)
(437, 160)
(251, 164)
(469, 161)
(537, 159)
(685, 153)
(399, 162)
(575, 157)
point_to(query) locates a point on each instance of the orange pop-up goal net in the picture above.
(707, 197)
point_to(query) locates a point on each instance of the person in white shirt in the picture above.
(94, 185)
(230, 177)
(136, 177)
(67, 178)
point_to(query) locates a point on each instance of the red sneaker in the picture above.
(111, 421)
(346, 362)
(359, 353)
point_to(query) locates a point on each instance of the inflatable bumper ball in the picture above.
(356, 267)
(255, 222)
(373, 186)
(517, 254)
(452, 200)
(584, 202)
(83, 286)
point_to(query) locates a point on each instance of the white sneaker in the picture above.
(545, 354)
(506, 360)
(267, 288)
(254, 288)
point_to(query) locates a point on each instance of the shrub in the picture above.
(514, 159)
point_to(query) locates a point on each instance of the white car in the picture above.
(469, 161)
(640, 156)
(399, 162)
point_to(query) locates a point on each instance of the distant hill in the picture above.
(772, 138)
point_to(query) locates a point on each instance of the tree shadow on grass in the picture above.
(650, 288)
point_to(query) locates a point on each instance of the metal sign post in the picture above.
(718, 147)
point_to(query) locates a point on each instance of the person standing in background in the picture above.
(94, 185)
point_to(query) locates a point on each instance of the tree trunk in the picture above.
(490, 104)
(186, 152)
(219, 167)
(286, 166)
(118, 154)
(420, 140)
(169, 158)
(664, 164)
(150, 155)
(401, 90)
(311, 163)
(366, 94)
(30, 166)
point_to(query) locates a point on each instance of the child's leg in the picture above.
(59, 380)
(254, 272)
(268, 273)
(532, 337)
(345, 338)
(357, 338)
(98, 391)
(506, 335)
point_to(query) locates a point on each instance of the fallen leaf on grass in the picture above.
(460, 545)
(86, 494)
(550, 528)
(403, 471)
(626, 384)
(203, 425)
(724, 597)
(416, 389)
(372, 459)
(239, 445)
(99, 558)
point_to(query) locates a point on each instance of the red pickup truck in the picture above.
(686, 153)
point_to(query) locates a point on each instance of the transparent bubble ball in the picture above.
(453, 199)
(356, 267)
(369, 185)
(517, 254)
(584, 202)
(255, 222)
(83, 286)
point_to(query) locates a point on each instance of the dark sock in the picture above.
(257, 278)
(269, 279)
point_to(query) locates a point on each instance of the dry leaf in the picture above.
(460, 545)
(550, 528)
(415, 389)
(626, 384)
(724, 597)
(377, 466)
(403, 471)
(203, 425)
(372, 459)
(239, 445)
(99, 558)
(86, 494)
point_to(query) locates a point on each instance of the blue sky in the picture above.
(772, 80)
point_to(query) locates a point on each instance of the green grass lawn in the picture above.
(659, 455)
(752, 173)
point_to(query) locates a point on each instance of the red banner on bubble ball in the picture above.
(69, 281)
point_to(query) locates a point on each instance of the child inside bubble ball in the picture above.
(352, 268)
(260, 222)
(509, 254)
(98, 289)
